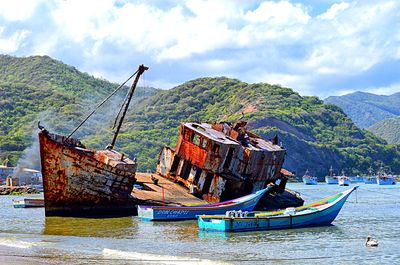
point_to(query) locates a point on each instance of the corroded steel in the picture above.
(221, 161)
(79, 181)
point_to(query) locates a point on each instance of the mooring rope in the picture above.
(380, 192)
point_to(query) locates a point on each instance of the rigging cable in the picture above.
(98, 106)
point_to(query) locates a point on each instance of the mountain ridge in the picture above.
(366, 109)
(388, 129)
(316, 135)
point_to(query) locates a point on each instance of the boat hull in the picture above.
(163, 213)
(76, 183)
(386, 181)
(370, 180)
(311, 216)
(331, 180)
(28, 203)
(344, 182)
(310, 181)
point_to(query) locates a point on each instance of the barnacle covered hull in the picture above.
(83, 182)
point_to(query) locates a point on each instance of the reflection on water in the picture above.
(89, 227)
(274, 235)
(128, 240)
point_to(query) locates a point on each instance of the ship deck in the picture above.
(173, 192)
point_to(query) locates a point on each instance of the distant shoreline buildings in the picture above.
(19, 176)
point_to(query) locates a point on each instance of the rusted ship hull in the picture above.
(219, 162)
(81, 182)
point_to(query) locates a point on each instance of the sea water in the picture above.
(28, 237)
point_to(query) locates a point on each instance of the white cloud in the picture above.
(255, 41)
(78, 20)
(18, 10)
(12, 43)
(386, 90)
(333, 11)
(278, 13)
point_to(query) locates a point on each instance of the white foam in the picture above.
(15, 243)
(156, 259)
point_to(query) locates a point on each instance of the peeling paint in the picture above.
(220, 161)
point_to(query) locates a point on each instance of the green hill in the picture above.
(315, 135)
(388, 129)
(366, 109)
(41, 88)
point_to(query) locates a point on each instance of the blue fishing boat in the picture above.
(385, 179)
(331, 178)
(309, 180)
(160, 213)
(370, 178)
(319, 213)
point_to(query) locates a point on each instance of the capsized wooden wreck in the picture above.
(218, 162)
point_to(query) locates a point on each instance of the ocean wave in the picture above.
(156, 259)
(15, 243)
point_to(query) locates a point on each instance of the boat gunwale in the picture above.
(251, 218)
(253, 196)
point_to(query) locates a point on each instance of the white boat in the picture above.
(309, 180)
(331, 178)
(343, 180)
(28, 203)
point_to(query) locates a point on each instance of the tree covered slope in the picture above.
(366, 109)
(388, 129)
(316, 135)
(41, 88)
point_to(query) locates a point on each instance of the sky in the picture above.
(320, 48)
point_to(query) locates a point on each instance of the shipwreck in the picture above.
(215, 162)
(78, 181)
(222, 161)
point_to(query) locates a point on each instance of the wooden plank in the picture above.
(173, 192)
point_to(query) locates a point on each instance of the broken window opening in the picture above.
(216, 149)
(228, 158)
(207, 183)
(196, 139)
(203, 142)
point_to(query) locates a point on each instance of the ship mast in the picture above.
(120, 118)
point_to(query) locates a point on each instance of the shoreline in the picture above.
(9, 256)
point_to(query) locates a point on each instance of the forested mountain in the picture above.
(41, 88)
(315, 135)
(366, 109)
(388, 129)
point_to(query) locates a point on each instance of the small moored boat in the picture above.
(356, 179)
(386, 179)
(309, 180)
(331, 178)
(159, 213)
(28, 203)
(343, 180)
(370, 178)
(319, 213)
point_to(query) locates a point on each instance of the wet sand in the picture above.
(9, 256)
